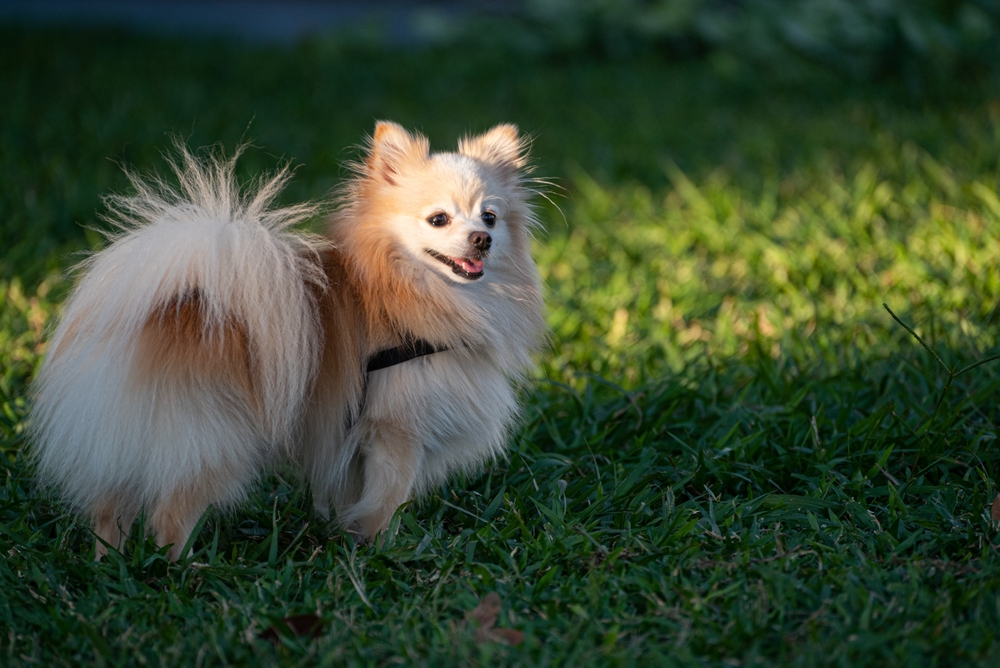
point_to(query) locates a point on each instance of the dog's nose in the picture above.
(481, 240)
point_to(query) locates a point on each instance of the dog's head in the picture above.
(458, 214)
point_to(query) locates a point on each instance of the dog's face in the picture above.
(457, 214)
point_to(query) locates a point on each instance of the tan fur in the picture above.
(176, 346)
(336, 394)
(175, 516)
(113, 518)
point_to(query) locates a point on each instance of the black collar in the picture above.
(410, 349)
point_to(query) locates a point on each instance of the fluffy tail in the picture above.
(184, 353)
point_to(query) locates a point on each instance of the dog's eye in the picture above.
(489, 218)
(439, 219)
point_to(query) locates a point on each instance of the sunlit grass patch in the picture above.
(644, 282)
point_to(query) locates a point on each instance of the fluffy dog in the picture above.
(210, 336)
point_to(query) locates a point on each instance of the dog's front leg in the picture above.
(392, 459)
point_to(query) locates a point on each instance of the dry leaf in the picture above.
(485, 615)
(508, 636)
(296, 625)
(995, 509)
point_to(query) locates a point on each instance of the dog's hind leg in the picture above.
(175, 517)
(113, 520)
(227, 465)
(206, 442)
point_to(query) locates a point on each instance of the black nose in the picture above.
(481, 240)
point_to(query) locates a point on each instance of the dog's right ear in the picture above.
(391, 147)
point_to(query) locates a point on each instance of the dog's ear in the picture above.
(501, 146)
(392, 147)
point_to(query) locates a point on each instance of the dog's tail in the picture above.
(186, 350)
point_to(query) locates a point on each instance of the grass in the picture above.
(731, 454)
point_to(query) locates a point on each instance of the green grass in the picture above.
(730, 454)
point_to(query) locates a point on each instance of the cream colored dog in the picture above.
(210, 336)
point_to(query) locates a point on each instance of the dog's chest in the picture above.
(448, 399)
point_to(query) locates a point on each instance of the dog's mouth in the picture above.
(466, 267)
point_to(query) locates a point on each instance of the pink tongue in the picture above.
(471, 265)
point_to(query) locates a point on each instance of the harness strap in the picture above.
(411, 349)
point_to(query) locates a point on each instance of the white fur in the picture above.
(98, 433)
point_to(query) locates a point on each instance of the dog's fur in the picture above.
(209, 336)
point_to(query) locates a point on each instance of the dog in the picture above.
(210, 337)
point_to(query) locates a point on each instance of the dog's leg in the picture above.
(391, 465)
(175, 517)
(342, 494)
(112, 523)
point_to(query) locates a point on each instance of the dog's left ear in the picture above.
(501, 146)
(390, 148)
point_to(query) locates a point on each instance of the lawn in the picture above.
(731, 454)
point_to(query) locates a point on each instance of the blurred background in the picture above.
(862, 36)
(726, 175)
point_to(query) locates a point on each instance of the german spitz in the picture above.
(211, 337)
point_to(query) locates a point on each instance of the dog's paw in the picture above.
(355, 531)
